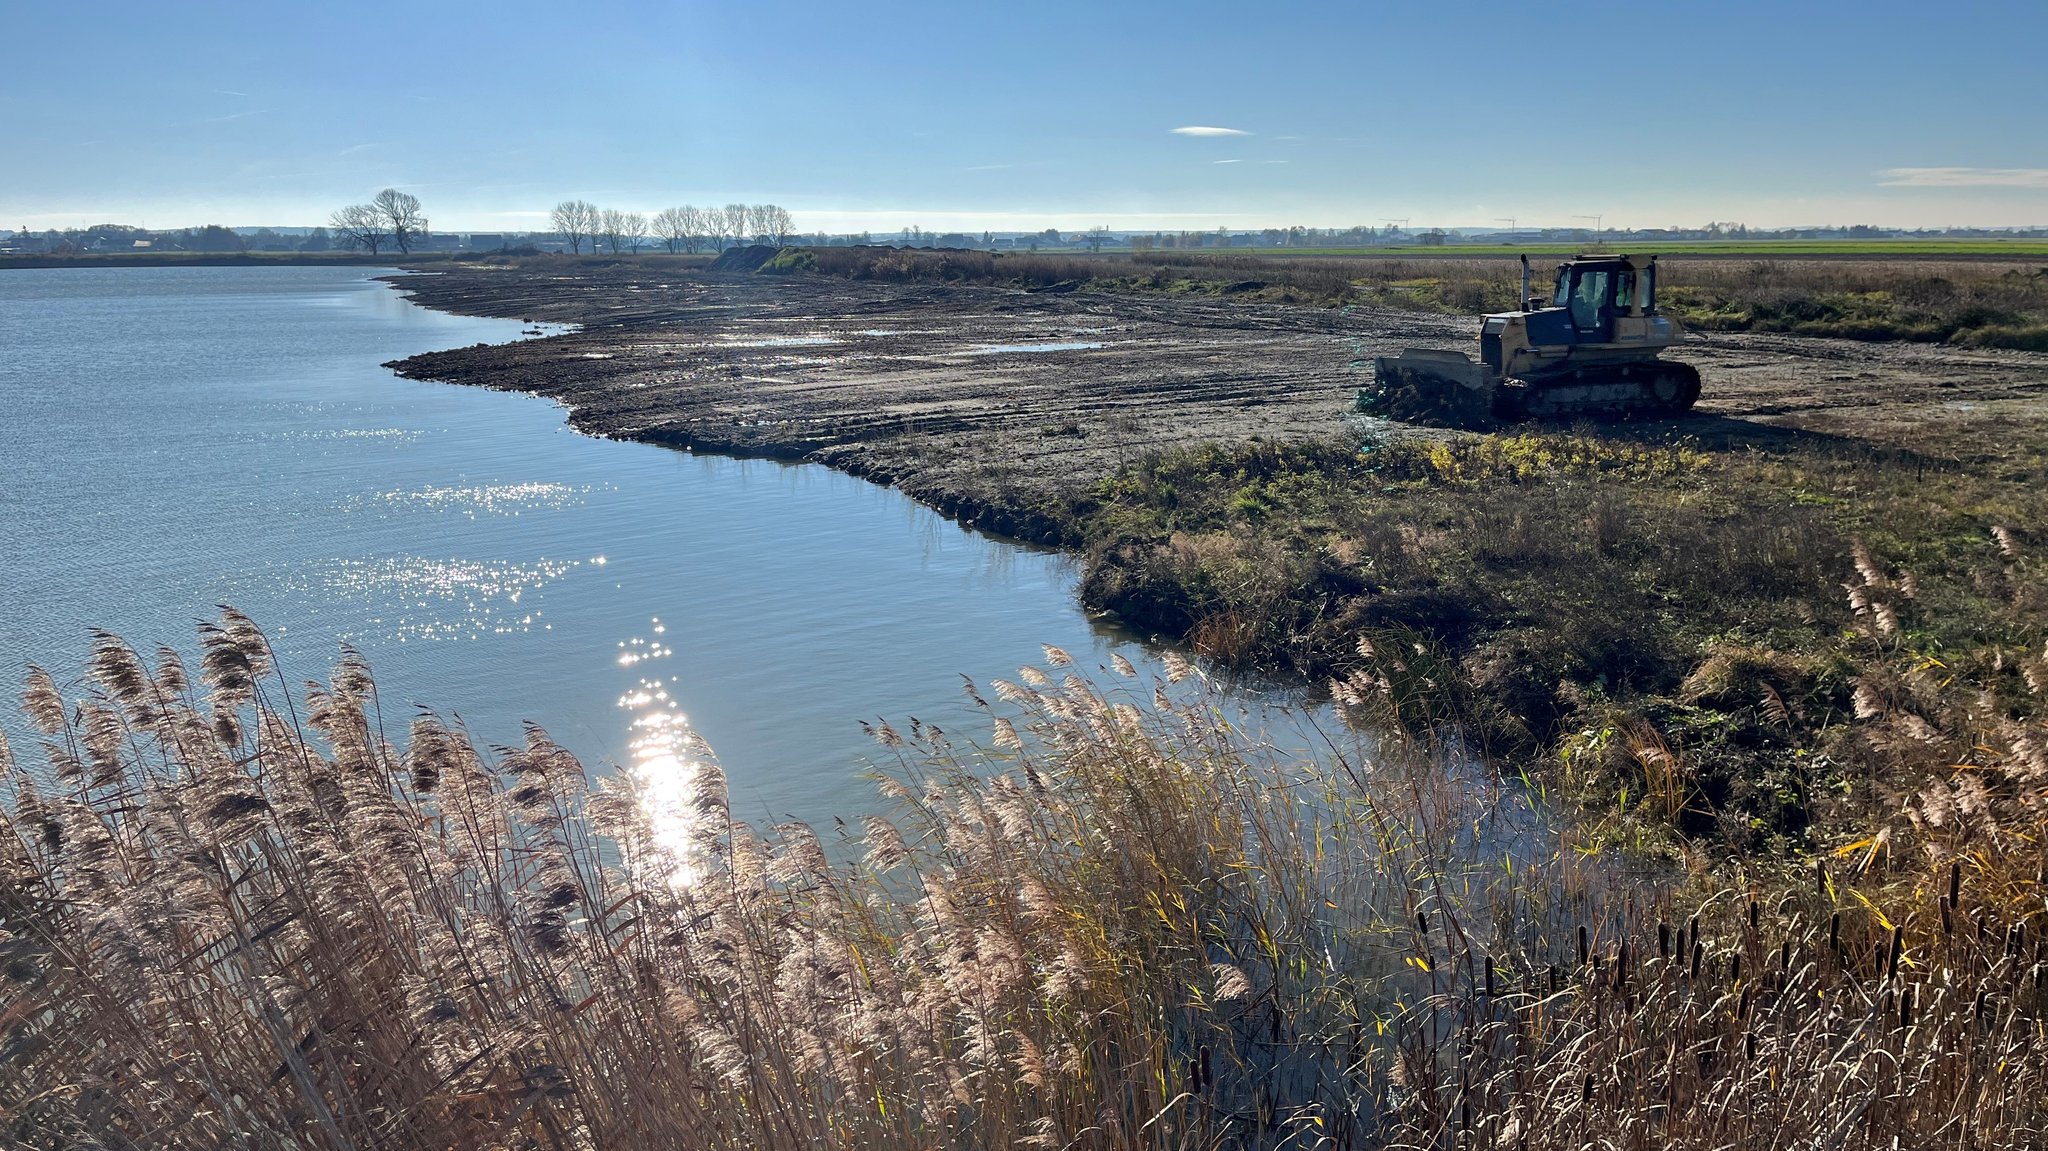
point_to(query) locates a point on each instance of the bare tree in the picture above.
(695, 225)
(575, 221)
(736, 222)
(402, 217)
(779, 222)
(672, 228)
(360, 226)
(632, 230)
(610, 223)
(757, 221)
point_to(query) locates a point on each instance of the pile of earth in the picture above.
(745, 260)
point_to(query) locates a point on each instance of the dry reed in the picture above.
(229, 918)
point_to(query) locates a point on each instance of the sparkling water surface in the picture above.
(175, 438)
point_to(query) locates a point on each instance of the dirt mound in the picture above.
(748, 259)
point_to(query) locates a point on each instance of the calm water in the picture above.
(175, 438)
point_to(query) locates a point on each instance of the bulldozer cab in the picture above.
(1597, 290)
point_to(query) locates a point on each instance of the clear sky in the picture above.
(960, 115)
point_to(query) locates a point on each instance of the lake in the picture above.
(175, 438)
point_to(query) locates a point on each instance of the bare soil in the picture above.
(946, 391)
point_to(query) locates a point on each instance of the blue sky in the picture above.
(880, 115)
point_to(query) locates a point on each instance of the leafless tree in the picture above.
(575, 221)
(757, 221)
(360, 226)
(696, 223)
(779, 222)
(735, 224)
(610, 224)
(672, 228)
(402, 217)
(632, 230)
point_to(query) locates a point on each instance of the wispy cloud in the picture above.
(232, 116)
(1964, 178)
(352, 149)
(225, 92)
(1206, 130)
(1226, 161)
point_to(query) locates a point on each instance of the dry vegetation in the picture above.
(1576, 594)
(1998, 304)
(228, 919)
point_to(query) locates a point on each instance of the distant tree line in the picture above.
(687, 228)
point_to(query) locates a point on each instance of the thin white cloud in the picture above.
(1964, 178)
(352, 149)
(231, 116)
(225, 92)
(1226, 161)
(1205, 130)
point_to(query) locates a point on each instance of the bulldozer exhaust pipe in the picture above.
(1525, 279)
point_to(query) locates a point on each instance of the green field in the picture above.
(2012, 249)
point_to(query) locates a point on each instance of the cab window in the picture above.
(1589, 297)
(1625, 291)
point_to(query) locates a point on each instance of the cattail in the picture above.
(1489, 977)
(1905, 1008)
(1699, 954)
(1664, 941)
(1585, 945)
(1891, 962)
(1955, 883)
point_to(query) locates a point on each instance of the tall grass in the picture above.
(232, 918)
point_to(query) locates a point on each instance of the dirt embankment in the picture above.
(992, 403)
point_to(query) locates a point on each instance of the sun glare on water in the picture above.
(679, 786)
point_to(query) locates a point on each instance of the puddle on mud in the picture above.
(1059, 346)
(778, 342)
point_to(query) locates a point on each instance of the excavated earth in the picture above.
(986, 402)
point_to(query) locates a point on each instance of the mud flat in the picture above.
(993, 403)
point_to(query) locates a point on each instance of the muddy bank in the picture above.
(1001, 405)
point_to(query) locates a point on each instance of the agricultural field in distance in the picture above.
(2000, 249)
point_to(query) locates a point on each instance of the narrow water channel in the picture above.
(174, 438)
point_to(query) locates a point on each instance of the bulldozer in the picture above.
(1592, 350)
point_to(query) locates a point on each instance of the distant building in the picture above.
(486, 241)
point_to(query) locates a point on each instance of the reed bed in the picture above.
(234, 915)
